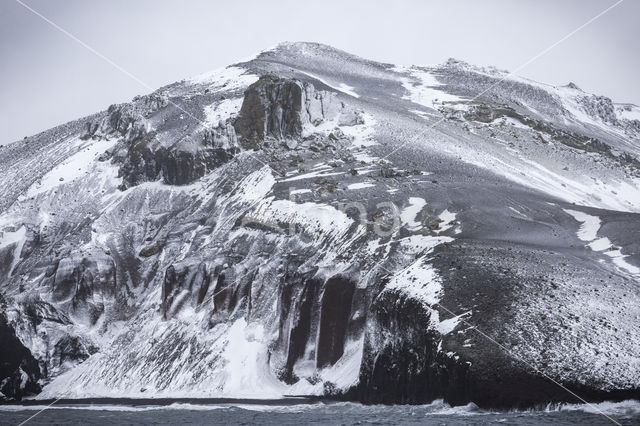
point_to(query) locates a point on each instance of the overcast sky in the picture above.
(46, 78)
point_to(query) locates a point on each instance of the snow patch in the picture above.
(340, 87)
(628, 112)
(408, 214)
(360, 185)
(421, 282)
(256, 185)
(448, 325)
(589, 231)
(221, 111)
(590, 224)
(318, 220)
(361, 134)
(74, 167)
(422, 114)
(18, 238)
(612, 195)
(231, 78)
(8, 237)
(423, 90)
(310, 175)
(447, 219)
(418, 281)
(247, 359)
(299, 191)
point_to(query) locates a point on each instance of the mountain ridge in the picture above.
(311, 222)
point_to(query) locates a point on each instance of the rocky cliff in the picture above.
(311, 222)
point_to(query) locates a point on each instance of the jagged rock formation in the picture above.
(271, 107)
(278, 108)
(310, 222)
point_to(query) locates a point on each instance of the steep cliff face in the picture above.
(271, 107)
(145, 155)
(277, 108)
(19, 371)
(310, 222)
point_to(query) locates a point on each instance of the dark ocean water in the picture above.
(625, 413)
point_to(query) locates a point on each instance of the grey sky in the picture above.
(47, 79)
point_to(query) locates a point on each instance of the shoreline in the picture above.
(135, 402)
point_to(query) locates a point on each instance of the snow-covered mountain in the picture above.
(313, 223)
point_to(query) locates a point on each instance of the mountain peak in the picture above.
(291, 225)
(302, 48)
(573, 86)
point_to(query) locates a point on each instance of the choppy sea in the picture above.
(318, 413)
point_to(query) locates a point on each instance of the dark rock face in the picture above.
(400, 357)
(64, 349)
(403, 364)
(231, 294)
(143, 158)
(19, 371)
(271, 108)
(600, 106)
(195, 280)
(302, 323)
(71, 349)
(6, 258)
(144, 162)
(85, 282)
(334, 319)
(406, 361)
(127, 119)
(299, 309)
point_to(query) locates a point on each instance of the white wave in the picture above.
(116, 407)
(610, 408)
